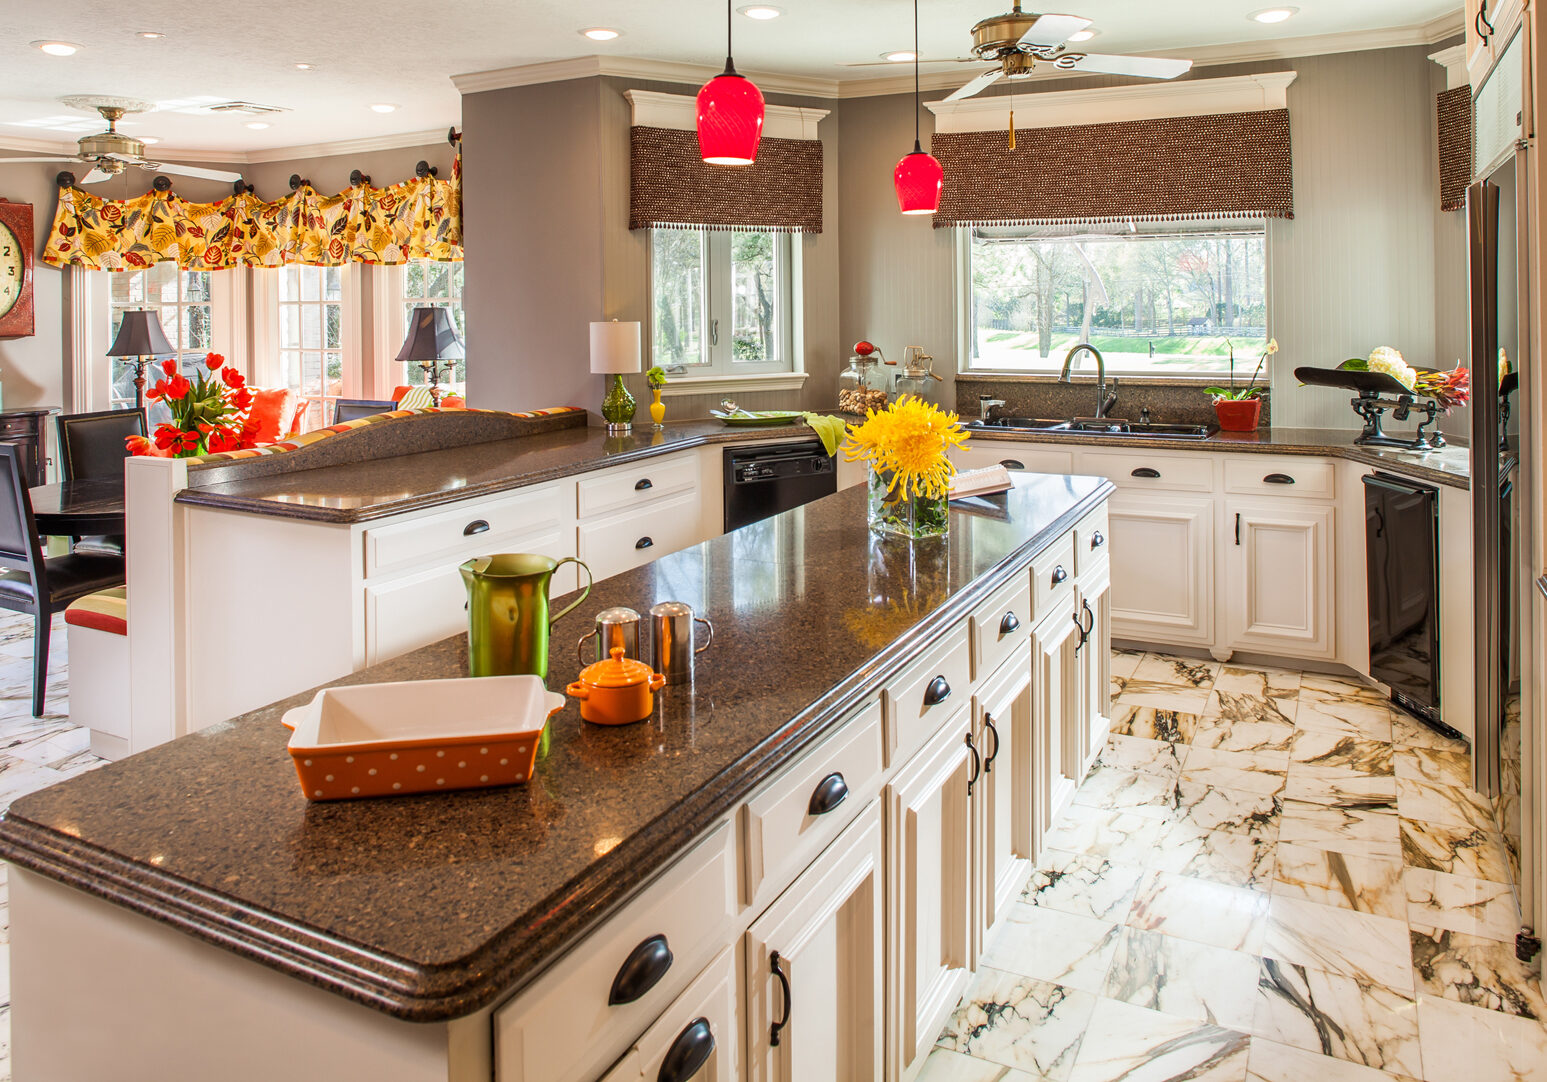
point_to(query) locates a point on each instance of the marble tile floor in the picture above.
(1267, 877)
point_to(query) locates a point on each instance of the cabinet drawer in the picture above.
(786, 825)
(1270, 475)
(1000, 624)
(563, 1027)
(707, 1014)
(926, 693)
(468, 528)
(1014, 456)
(636, 485)
(1152, 470)
(1052, 577)
(620, 543)
(1091, 549)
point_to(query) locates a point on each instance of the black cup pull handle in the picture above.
(688, 1053)
(937, 692)
(1097, 539)
(977, 765)
(478, 525)
(1145, 471)
(828, 794)
(1012, 463)
(1008, 623)
(988, 724)
(777, 1028)
(645, 965)
(643, 543)
(1059, 574)
(1278, 479)
(642, 484)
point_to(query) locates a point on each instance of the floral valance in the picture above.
(421, 218)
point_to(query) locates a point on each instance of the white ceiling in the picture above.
(366, 52)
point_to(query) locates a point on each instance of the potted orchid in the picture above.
(209, 411)
(1240, 410)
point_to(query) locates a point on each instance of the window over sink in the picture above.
(721, 302)
(1156, 298)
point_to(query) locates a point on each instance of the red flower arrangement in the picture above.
(209, 412)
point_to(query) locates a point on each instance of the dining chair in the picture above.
(49, 583)
(349, 409)
(92, 445)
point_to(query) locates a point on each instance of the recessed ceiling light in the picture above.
(384, 108)
(601, 33)
(303, 67)
(1273, 15)
(257, 125)
(57, 48)
(1083, 35)
(761, 11)
(151, 35)
(905, 56)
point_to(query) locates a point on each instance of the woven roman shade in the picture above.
(1225, 165)
(669, 185)
(1454, 109)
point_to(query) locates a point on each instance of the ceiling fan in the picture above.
(1016, 41)
(110, 152)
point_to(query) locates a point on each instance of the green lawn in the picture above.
(1017, 350)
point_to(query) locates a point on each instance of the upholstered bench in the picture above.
(97, 632)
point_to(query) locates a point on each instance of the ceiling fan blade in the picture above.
(982, 82)
(96, 176)
(1148, 67)
(1053, 30)
(188, 171)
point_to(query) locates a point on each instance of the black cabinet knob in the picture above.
(642, 484)
(643, 543)
(645, 965)
(1059, 574)
(1009, 623)
(688, 1053)
(828, 794)
(937, 692)
(1145, 471)
(476, 526)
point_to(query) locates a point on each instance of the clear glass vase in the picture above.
(905, 515)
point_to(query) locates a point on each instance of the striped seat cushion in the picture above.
(417, 398)
(105, 610)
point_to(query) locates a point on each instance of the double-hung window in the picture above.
(721, 302)
(1157, 299)
(184, 302)
(310, 305)
(426, 284)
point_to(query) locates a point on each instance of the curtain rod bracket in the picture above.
(453, 136)
(424, 169)
(162, 184)
(296, 182)
(357, 178)
(64, 178)
(241, 187)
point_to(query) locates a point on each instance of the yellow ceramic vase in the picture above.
(657, 407)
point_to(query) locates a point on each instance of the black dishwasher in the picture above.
(1401, 520)
(762, 481)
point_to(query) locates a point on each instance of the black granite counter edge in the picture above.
(514, 957)
(1351, 452)
(341, 516)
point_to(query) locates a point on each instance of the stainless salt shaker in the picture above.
(614, 627)
(671, 640)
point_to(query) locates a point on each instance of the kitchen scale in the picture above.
(1377, 393)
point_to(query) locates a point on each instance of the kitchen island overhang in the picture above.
(431, 908)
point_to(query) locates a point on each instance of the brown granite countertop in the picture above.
(1449, 465)
(429, 907)
(361, 491)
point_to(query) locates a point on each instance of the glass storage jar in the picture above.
(862, 386)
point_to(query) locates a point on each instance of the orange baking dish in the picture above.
(419, 736)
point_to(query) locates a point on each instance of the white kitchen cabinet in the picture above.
(929, 873)
(1055, 698)
(1016, 456)
(1162, 560)
(1278, 576)
(698, 1037)
(814, 1002)
(1093, 594)
(1003, 842)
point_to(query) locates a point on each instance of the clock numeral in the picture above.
(6, 251)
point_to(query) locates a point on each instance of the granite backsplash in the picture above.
(1171, 403)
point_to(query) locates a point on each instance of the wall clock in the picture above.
(16, 316)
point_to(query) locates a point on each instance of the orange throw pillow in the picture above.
(268, 407)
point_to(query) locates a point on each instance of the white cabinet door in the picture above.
(929, 895)
(1162, 568)
(1055, 699)
(1093, 593)
(813, 963)
(1002, 848)
(1278, 583)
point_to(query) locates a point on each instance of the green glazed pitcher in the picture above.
(507, 612)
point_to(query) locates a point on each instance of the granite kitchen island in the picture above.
(188, 906)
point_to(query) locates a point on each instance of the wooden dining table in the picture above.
(80, 508)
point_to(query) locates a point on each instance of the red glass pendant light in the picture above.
(918, 177)
(730, 113)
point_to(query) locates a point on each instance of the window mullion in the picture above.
(717, 274)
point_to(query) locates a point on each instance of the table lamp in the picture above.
(140, 336)
(614, 351)
(432, 338)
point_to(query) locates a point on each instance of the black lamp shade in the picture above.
(431, 337)
(140, 335)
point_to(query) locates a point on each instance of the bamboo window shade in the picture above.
(1225, 165)
(670, 185)
(1454, 114)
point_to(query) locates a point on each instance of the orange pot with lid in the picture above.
(618, 691)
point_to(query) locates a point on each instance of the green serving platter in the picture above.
(758, 418)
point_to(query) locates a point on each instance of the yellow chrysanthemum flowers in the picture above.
(908, 442)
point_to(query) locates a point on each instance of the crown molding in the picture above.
(628, 67)
(158, 152)
(35, 146)
(680, 112)
(1106, 105)
(1453, 60)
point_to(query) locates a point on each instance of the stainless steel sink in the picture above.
(1024, 424)
(1098, 426)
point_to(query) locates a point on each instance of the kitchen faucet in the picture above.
(987, 404)
(1104, 401)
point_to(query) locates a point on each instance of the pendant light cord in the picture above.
(918, 147)
(730, 65)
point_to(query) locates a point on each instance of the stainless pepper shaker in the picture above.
(614, 627)
(671, 640)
